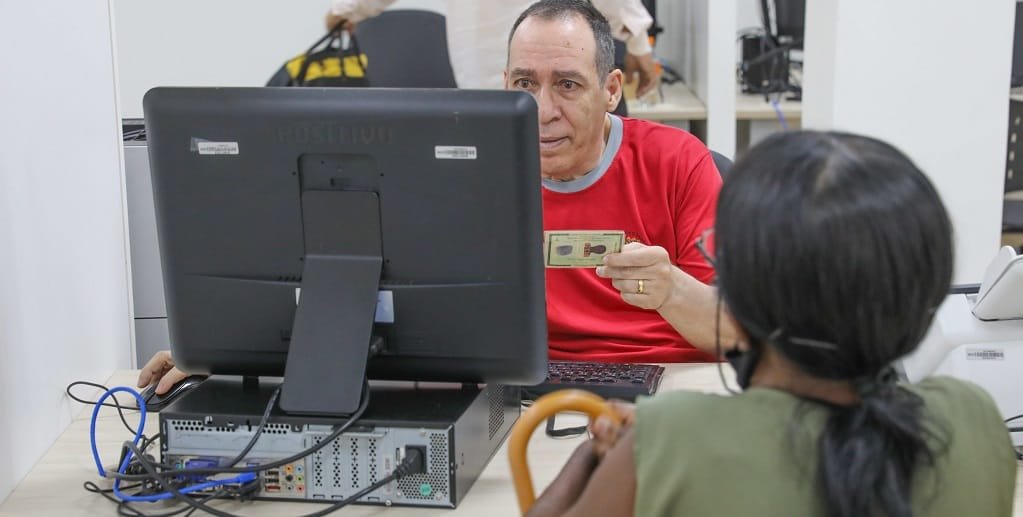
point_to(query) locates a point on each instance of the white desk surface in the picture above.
(750, 106)
(679, 103)
(54, 486)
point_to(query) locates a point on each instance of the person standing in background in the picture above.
(478, 30)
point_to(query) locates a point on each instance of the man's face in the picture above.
(555, 61)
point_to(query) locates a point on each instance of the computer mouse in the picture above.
(156, 402)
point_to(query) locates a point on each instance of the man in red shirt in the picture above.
(656, 183)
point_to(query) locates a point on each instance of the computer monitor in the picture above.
(314, 232)
(1017, 48)
(785, 21)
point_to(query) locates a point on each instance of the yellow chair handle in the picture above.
(542, 409)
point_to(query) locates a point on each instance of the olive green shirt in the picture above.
(755, 454)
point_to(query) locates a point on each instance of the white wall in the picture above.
(699, 42)
(214, 43)
(64, 311)
(932, 79)
(720, 76)
(675, 43)
(747, 14)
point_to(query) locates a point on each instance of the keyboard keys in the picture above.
(621, 381)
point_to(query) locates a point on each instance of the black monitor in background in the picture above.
(311, 233)
(1017, 48)
(784, 21)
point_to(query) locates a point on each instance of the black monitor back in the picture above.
(1017, 48)
(785, 21)
(456, 176)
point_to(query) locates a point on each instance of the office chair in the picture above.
(722, 162)
(406, 48)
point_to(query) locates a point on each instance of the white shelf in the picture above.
(750, 106)
(679, 103)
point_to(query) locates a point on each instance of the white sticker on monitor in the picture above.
(385, 307)
(985, 354)
(454, 152)
(217, 147)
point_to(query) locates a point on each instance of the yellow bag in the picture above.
(332, 65)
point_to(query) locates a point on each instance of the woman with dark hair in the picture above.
(833, 253)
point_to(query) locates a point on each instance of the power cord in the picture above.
(125, 508)
(134, 135)
(116, 404)
(148, 486)
(241, 478)
(414, 463)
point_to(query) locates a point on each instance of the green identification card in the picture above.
(580, 248)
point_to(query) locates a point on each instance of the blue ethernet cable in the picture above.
(244, 477)
(781, 116)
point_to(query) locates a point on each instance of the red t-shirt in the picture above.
(661, 189)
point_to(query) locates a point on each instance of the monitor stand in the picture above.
(330, 340)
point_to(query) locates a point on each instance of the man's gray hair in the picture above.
(561, 9)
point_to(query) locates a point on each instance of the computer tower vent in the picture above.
(371, 460)
(317, 464)
(187, 425)
(326, 466)
(198, 425)
(337, 474)
(276, 429)
(435, 483)
(496, 396)
(353, 453)
(362, 452)
(318, 470)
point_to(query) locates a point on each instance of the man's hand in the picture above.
(643, 274)
(643, 66)
(160, 369)
(333, 19)
(606, 432)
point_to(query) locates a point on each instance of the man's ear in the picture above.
(613, 89)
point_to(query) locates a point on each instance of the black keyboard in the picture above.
(609, 380)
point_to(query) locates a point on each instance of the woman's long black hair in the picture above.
(840, 239)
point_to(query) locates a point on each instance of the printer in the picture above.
(977, 335)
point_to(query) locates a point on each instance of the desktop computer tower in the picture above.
(764, 67)
(460, 428)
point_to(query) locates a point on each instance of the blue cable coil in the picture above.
(244, 477)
